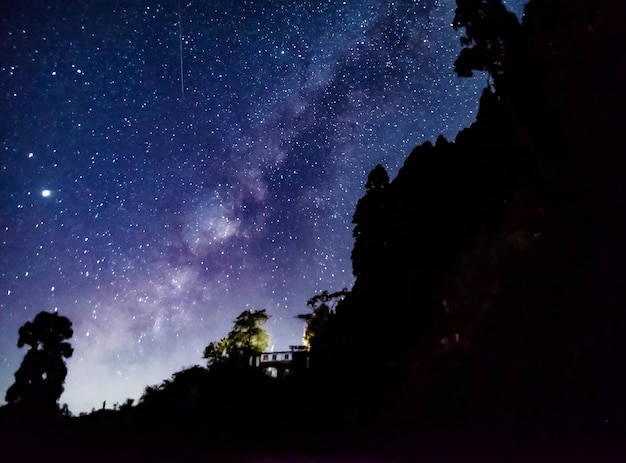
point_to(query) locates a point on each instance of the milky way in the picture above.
(166, 165)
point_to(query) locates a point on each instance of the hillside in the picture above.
(486, 317)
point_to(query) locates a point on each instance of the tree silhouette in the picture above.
(370, 221)
(490, 33)
(317, 322)
(216, 352)
(39, 380)
(322, 333)
(246, 339)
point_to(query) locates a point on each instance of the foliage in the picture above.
(247, 338)
(323, 311)
(180, 387)
(39, 380)
(516, 227)
(216, 351)
(370, 222)
(490, 34)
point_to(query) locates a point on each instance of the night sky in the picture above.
(167, 165)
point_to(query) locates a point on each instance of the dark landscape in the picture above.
(486, 321)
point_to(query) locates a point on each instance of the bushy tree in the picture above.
(490, 33)
(319, 320)
(216, 351)
(247, 338)
(39, 380)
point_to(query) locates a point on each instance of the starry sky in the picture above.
(165, 165)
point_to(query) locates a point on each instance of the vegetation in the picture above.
(323, 312)
(488, 281)
(245, 340)
(491, 35)
(39, 380)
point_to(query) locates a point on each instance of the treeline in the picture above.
(489, 272)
